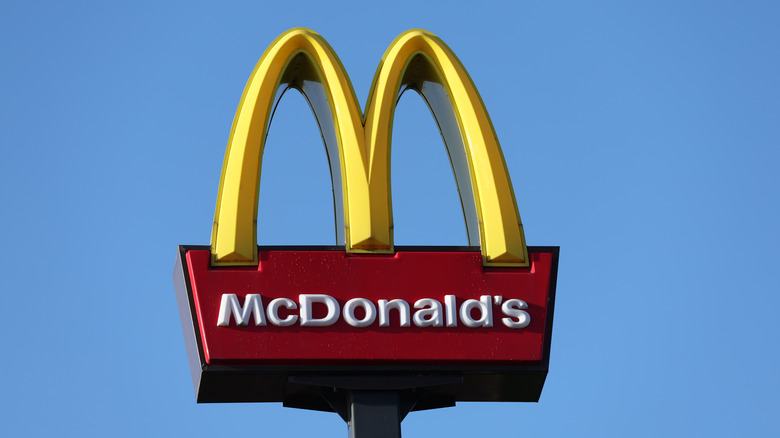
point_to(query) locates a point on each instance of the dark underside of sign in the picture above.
(478, 371)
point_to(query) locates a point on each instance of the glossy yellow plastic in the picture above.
(418, 60)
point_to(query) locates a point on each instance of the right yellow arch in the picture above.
(415, 60)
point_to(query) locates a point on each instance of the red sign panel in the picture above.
(330, 307)
(255, 333)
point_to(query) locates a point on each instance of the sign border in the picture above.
(287, 383)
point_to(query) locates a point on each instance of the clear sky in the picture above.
(644, 140)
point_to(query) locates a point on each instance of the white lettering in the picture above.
(514, 309)
(253, 304)
(307, 318)
(368, 307)
(430, 314)
(384, 312)
(273, 312)
(452, 310)
(485, 312)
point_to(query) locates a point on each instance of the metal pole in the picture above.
(373, 406)
(374, 414)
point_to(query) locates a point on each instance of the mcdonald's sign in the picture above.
(263, 323)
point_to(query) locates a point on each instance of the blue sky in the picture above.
(643, 139)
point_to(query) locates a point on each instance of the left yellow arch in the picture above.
(234, 234)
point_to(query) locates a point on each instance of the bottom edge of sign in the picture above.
(217, 384)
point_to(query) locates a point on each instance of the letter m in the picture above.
(253, 304)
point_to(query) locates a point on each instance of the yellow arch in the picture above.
(415, 60)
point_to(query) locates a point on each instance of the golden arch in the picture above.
(418, 60)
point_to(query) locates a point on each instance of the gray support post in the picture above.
(374, 414)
